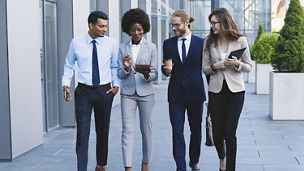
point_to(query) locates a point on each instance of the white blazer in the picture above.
(232, 75)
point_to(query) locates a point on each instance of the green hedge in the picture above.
(289, 52)
(264, 47)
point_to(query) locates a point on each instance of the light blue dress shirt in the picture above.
(80, 51)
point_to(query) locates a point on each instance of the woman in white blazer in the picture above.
(136, 86)
(226, 86)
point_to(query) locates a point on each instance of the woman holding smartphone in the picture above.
(136, 86)
(226, 86)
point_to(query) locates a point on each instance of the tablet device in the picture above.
(139, 67)
(237, 53)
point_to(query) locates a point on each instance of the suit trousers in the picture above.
(177, 118)
(225, 108)
(87, 98)
(145, 106)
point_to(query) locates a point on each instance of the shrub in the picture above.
(260, 32)
(289, 52)
(264, 47)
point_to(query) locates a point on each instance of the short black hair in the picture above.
(93, 17)
(133, 16)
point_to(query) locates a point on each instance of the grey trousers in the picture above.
(128, 110)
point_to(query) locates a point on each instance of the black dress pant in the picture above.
(177, 111)
(87, 98)
(225, 109)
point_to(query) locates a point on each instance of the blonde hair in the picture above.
(183, 15)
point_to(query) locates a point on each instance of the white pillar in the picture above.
(24, 75)
(159, 44)
(81, 11)
(114, 23)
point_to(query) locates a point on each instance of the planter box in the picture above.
(252, 73)
(286, 98)
(262, 78)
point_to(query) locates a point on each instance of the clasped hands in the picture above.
(127, 62)
(229, 62)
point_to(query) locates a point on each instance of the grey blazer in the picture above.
(232, 75)
(131, 81)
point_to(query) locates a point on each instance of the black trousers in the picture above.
(225, 108)
(87, 98)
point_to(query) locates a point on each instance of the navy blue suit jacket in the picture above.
(187, 75)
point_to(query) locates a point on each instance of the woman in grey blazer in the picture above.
(136, 86)
(226, 86)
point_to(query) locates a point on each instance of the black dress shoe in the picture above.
(222, 170)
(194, 167)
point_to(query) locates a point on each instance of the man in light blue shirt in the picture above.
(96, 57)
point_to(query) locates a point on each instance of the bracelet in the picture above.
(212, 68)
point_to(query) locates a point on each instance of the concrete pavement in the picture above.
(263, 144)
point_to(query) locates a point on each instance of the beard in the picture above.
(180, 32)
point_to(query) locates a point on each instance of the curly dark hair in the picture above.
(134, 16)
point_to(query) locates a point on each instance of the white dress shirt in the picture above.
(80, 52)
(187, 45)
(135, 50)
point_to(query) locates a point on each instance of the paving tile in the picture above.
(263, 144)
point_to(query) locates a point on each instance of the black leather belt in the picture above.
(91, 86)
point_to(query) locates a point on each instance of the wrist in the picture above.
(212, 68)
(65, 87)
(237, 64)
(126, 68)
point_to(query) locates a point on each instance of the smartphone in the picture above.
(66, 95)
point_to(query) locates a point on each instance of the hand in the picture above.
(145, 72)
(127, 62)
(67, 90)
(114, 90)
(219, 65)
(167, 69)
(232, 62)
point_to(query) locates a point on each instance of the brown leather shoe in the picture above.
(144, 167)
(100, 168)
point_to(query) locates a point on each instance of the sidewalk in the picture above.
(263, 144)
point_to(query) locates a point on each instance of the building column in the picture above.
(157, 34)
(65, 33)
(215, 4)
(146, 6)
(24, 73)
(126, 5)
(5, 132)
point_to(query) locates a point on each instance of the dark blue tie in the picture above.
(95, 69)
(183, 50)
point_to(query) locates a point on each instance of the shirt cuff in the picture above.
(66, 83)
(115, 84)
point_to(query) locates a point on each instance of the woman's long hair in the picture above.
(229, 29)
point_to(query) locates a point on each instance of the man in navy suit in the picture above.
(186, 88)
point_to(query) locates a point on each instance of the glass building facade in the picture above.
(248, 15)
